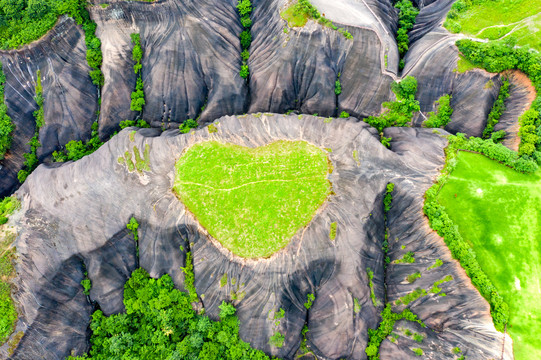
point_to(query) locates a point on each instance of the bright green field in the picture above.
(495, 19)
(498, 210)
(253, 200)
(293, 18)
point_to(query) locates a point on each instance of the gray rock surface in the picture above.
(521, 95)
(432, 61)
(75, 215)
(191, 62)
(70, 97)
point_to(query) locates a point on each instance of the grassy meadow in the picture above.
(498, 212)
(253, 200)
(498, 19)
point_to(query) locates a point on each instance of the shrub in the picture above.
(418, 337)
(189, 278)
(277, 340)
(388, 197)
(75, 150)
(337, 86)
(132, 123)
(399, 112)
(332, 233)
(497, 110)
(6, 125)
(187, 125)
(344, 115)
(309, 301)
(417, 351)
(407, 258)
(412, 277)
(244, 8)
(438, 263)
(406, 20)
(370, 274)
(442, 116)
(388, 319)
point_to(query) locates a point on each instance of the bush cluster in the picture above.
(75, 150)
(189, 278)
(442, 116)
(441, 222)
(137, 96)
(497, 110)
(140, 123)
(187, 125)
(6, 125)
(388, 319)
(31, 159)
(310, 298)
(159, 323)
(8, 313)
(337, 85)
(406, 20)
(399, 112)
(7, 206)
(529, 133)
(244, 7)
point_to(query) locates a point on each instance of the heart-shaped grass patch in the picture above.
(253, 200)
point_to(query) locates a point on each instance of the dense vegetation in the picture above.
(31, 158)
(244, 7)
(8, 313)
(399, 112)
(253, 200)
(159, 323)
(406, 20)
(137, 96)
(388, 319)
(497, 110)
(497, 19)
(6, 126)
(497, 210)
(297, 15)
(503, 55)
(442, 116)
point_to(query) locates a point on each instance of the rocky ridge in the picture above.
(71, 220)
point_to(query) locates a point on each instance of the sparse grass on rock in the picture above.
(253, 200)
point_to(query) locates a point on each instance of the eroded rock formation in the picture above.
(192, 58)
(75, 215)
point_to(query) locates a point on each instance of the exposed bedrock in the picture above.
(433, 62)
(71, 219)
(191, 65)
(521, 95)
(70, 97)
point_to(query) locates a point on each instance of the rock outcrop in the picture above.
(74, 216)
(191, 66)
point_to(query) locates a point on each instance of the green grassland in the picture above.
(253, 200)
(497, 19)
(497, 210)
(294, 18)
